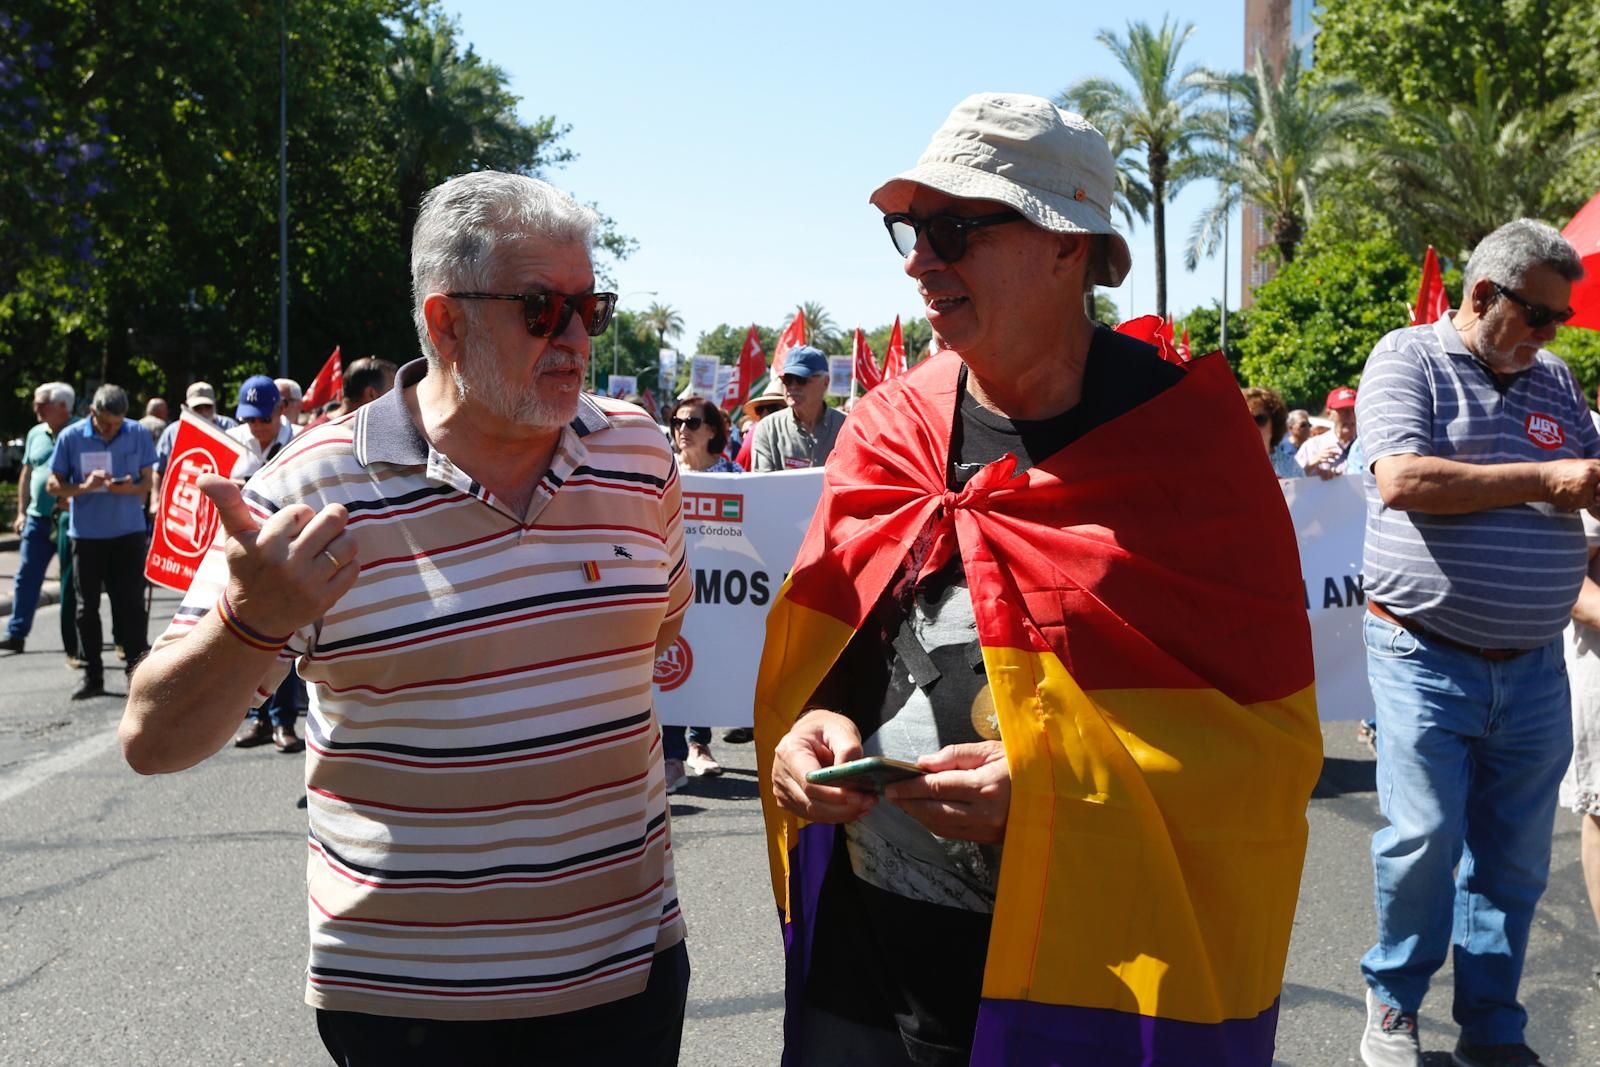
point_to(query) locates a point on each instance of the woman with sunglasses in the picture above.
(699, 434)
(1272, 419)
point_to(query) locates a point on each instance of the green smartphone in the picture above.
(867, 775)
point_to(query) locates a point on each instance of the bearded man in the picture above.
(474, 575)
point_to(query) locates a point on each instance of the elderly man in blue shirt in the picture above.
(102, 467)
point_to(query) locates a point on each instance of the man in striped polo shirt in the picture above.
(474, 574)
(1480, 453)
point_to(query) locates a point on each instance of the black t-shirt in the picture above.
(880, 958)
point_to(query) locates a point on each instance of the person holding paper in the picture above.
(102, 466)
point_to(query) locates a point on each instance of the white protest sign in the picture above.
(724, 379)
(667, 373)
(621, 385)
(703, 376)
(840, 371)
(743, 530)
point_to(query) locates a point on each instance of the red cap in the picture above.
(1340, 398)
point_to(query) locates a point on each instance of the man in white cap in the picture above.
(1014, 584)
(199, 399)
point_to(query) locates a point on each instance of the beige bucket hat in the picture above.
(1051, 165)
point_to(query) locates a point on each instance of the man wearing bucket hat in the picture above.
(1014, 584)
(802, 434)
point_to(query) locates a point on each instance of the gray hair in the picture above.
(288, 389)
(463, 223)
(55, 393)
(1297, 416)
(111, 400)
(1509, 253)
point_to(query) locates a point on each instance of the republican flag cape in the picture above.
(1432, 302)
(328, 385)
(894, 356)
(865, 364)
(1144, 635)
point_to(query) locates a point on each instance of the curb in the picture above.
(49, 593)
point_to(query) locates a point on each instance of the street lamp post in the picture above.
(616, 337)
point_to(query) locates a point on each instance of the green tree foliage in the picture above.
(726, 341)
(1286, 135)
(1205, 331)
(1166, 114)
(1312, 326)
(822, 333)
(140, 194)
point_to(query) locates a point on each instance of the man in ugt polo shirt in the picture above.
(102, 466)
(474, 574)
(1481, 452)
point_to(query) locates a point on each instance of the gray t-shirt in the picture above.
(1499, 578)
(781, 443)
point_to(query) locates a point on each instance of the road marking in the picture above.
(41, 770)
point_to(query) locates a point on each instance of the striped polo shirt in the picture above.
(1500, 578)
(488, 815)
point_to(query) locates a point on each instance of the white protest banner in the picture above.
(667, 372)
(703, 376)
(621, 385)
(743, 530)
(724, 379)
(840, 372)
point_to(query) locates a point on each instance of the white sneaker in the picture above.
(1390, 1039)
(701, 763)
(677, 777)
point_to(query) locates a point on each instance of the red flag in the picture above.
(894, 357)
(1583, 233)
(794, 335)
(647, 400)
(187, 522)
(1431, 300)
(866, 364)
(752, 364)
(328, 385)
(1183, 345)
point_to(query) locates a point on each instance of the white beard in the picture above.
(479, 377)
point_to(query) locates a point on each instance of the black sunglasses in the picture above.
(1262, 418)
(693, 422)
(1537, 316)
(547, 314)
(946, 233)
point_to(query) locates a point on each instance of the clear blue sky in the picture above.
(738, 142)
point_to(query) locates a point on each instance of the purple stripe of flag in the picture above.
(1020, 1033)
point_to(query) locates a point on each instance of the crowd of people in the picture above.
(1107, 727)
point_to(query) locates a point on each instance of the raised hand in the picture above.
(287, 572)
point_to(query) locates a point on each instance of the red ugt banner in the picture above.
(187, 522)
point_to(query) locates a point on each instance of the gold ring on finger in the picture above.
(331, 558)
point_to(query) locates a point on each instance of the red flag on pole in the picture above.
(752, 364)
(1583, 233)
(894, 357)
(1153, 330)
(794, 335)
(187, 522)
(328, 385)
(1183, 345)
(866, 364)
(1431, 299)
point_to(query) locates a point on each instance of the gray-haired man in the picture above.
(1480, 451)
(52, 404)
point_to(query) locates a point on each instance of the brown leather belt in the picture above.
(1495, 654)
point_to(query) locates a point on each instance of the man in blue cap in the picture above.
(803, 434)
(261, 430)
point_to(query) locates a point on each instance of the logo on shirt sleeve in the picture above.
(1544, 431)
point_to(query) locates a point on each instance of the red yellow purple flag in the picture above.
(1141, 616)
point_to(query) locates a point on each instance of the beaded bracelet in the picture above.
(237, 627)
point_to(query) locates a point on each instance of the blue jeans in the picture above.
(1470, 754)
(283, 707)
(675, 740)
(38, 545)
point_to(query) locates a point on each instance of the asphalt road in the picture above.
(162, 920)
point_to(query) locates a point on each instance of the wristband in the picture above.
(239, 629)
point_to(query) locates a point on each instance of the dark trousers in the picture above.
(115, 564)
(644, 1030)
(69, 592)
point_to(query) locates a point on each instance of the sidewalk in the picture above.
(10, 560)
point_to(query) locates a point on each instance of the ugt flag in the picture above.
(1432, 302)
(187, 522)
(866, 364)
(794, 335)
(327, 386)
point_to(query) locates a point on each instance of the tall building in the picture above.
(1273, 27)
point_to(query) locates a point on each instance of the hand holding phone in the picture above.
(867, 775)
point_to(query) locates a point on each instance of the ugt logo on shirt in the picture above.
(1544, 431)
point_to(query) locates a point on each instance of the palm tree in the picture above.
(1166, 114)
(821, 331)
(1131, 197)
(665, 320)
(1453, 176)
(1292, 133)
(452, 113)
